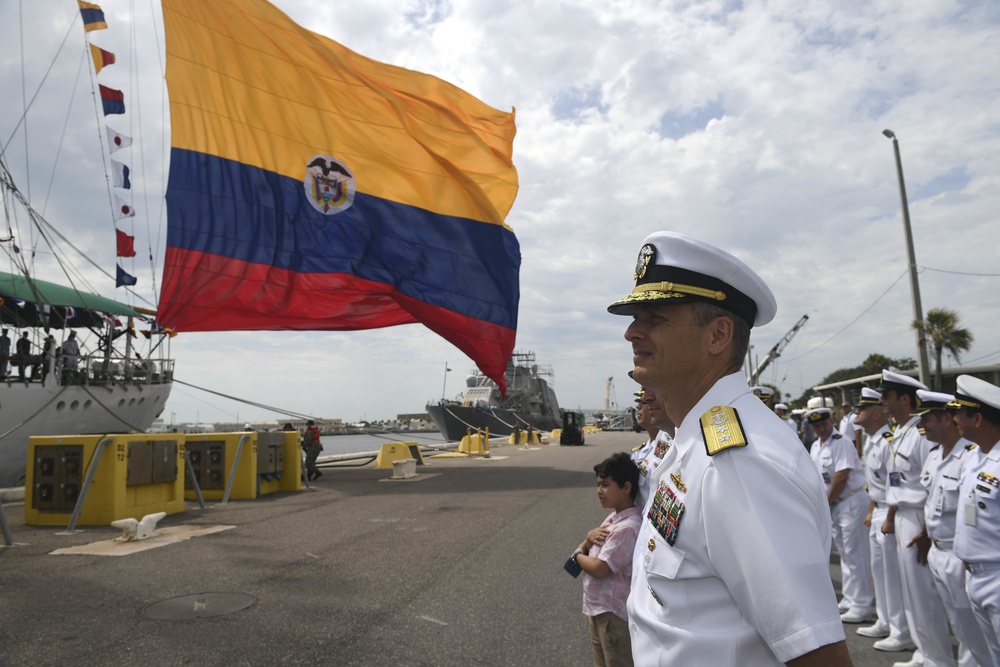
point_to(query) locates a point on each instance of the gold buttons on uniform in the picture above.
(652, 544)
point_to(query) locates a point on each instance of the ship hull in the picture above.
(454, 421)
(33, 409)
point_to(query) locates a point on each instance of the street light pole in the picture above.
(918, 313)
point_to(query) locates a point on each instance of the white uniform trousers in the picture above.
(885, 573)
(982, 583)
(852, 544)
(924, 610)
(949, 579)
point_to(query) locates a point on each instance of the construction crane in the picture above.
(776, 350)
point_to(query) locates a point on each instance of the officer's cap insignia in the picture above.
(722, 430)
(646, 255)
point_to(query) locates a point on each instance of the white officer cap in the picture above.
(677, 268)
(976, 394)
(781, 406)
(819, 402)
(869, 396)
(818, 415)
(762, 391)
(893, 380)
(928, 401)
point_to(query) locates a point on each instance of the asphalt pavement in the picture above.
(460, 566)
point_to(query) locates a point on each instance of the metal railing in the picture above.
(94, 370)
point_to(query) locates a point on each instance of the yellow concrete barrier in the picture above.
(396, 451)
(522, 438)
(475, 443)
(135, 475)
(213, 457)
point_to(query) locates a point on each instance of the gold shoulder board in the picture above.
(888, 436)
(638, 447)
(837, 436)
(721, 429)
(969, 447)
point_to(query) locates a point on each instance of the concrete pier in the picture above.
(461, 565)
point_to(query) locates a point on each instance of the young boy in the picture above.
(607, 567)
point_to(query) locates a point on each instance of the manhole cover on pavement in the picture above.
(199, 605)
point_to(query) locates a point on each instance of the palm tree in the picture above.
(940, 331)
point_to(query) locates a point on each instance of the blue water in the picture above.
(352, 444)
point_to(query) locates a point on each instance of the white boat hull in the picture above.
(28, 409)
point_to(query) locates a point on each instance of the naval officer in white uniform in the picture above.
(891, 629)
(977, 524)
(648, 455)
(840, 466)
(941, 475)
(906, 496)
(732, 562)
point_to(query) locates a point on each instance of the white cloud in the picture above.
(755, 125)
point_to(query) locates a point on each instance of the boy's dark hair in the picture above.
(621, 468)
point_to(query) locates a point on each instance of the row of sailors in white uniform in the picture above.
(952, 499)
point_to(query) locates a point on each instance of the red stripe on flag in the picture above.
(287, 300)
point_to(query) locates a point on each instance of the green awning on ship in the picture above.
(83, 306)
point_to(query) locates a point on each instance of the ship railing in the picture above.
(95, 370)
(104, 371)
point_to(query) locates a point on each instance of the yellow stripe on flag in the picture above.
(248, 84)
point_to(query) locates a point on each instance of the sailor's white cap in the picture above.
(869, 396)
(928, 401)
(978, 394)
(893, 380)
(781, 406)
(818, 415)
(677, 268)
(762, 391)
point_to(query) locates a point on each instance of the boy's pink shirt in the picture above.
(611, 593)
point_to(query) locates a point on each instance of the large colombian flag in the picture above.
(313, 188)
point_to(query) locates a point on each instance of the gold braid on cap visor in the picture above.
(666, 290)
(963, 403)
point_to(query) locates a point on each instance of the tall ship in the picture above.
(112, 388)
(71, 360)
(530, 401)
(304, 187)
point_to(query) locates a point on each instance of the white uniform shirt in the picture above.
(941, 478)
(977, 526)
(847, 426)
(639, 453)
(738, 571)
(647, 458)
(877, 451)
(833, 455)
(909, 451)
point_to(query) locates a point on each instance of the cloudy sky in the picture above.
(754, 125)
